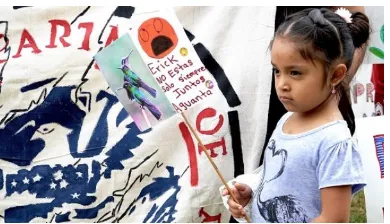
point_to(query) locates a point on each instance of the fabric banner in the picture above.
(70, 152)
(370, 137)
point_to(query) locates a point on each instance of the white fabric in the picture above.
(82, 162)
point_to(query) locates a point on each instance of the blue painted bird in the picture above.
(133, 78)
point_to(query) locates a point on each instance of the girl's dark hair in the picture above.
(321, 34)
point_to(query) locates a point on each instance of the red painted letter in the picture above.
(2, 36)
(214, 145)
(208, 112)
(358, 90)
(112, 36)
(191, 153)
(26, 36)
(209, 218)
(88, 30)
(369, 90)
(53, 34)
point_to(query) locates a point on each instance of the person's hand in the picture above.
(243, 194)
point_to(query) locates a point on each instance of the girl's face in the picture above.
(300, 84)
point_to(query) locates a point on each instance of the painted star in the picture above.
(53, 185)
(75, 195)
(37, 178)
(13, 183)
(58, 175)
(63, 184)
(79, 174)
(26, 181)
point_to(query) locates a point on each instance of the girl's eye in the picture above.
(295, 73)
(275, 71)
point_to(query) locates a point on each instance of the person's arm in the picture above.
(335, 203)
(358, 56)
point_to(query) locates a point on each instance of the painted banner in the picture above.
(370, 137)
(69, 151)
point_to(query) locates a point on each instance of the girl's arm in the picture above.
(335, 203)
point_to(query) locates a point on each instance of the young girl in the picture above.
(312, 167)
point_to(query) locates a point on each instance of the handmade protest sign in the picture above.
(171, 59)
(154, 69)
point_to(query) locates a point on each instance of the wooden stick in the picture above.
(212, 163)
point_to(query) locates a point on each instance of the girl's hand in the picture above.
(243, 194)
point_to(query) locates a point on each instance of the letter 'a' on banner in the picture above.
(154, 69)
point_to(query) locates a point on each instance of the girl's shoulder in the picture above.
(283, 119)
(326, 135)
(334, 133)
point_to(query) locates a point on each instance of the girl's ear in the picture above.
(339, 73)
